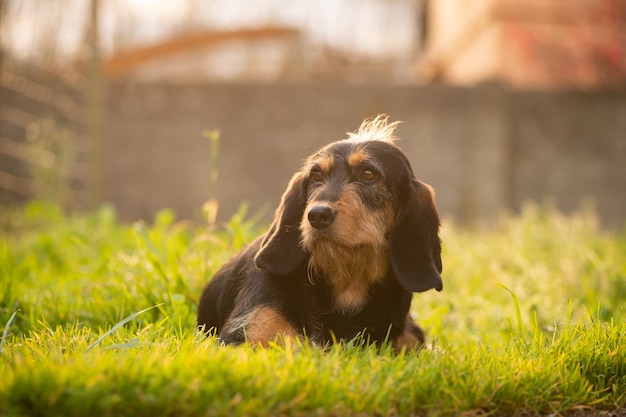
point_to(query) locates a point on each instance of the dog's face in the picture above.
(356, 204)
(349, 195)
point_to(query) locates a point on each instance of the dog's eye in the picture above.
(369, 175)
(317, 175)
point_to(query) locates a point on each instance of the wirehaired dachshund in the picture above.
(354, 236)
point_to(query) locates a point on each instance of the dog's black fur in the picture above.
(354, 236)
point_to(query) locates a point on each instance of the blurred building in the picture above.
(535, 44)
(354, 41)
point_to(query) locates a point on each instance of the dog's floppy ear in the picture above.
(414, 245)
(281, 251)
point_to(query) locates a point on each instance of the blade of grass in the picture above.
(518, 313)
(5, 332)
(118, 325)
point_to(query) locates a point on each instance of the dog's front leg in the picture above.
(261, 325)
(412, 337)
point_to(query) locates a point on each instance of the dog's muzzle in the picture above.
(321, 217)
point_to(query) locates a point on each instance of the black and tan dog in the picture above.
(354, 236)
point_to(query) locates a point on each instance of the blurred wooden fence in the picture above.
(42, 128)
(52, 115)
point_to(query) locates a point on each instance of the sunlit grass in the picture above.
(98, 319)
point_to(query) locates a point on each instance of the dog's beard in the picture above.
(350, 270)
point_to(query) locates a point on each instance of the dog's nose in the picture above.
(321, 217)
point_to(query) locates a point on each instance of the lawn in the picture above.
(98, 319)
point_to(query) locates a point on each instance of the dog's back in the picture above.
(218, 297)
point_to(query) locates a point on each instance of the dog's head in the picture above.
(358, 193)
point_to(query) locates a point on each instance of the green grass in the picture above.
(98, 319)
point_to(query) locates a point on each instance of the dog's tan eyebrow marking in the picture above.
(324, 162)
(358, 156)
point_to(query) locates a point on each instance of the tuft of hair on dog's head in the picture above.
(375, 129)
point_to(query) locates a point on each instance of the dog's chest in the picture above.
(350, 298)
(349, 278)
(385, 304)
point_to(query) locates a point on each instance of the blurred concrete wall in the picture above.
(484, 149)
